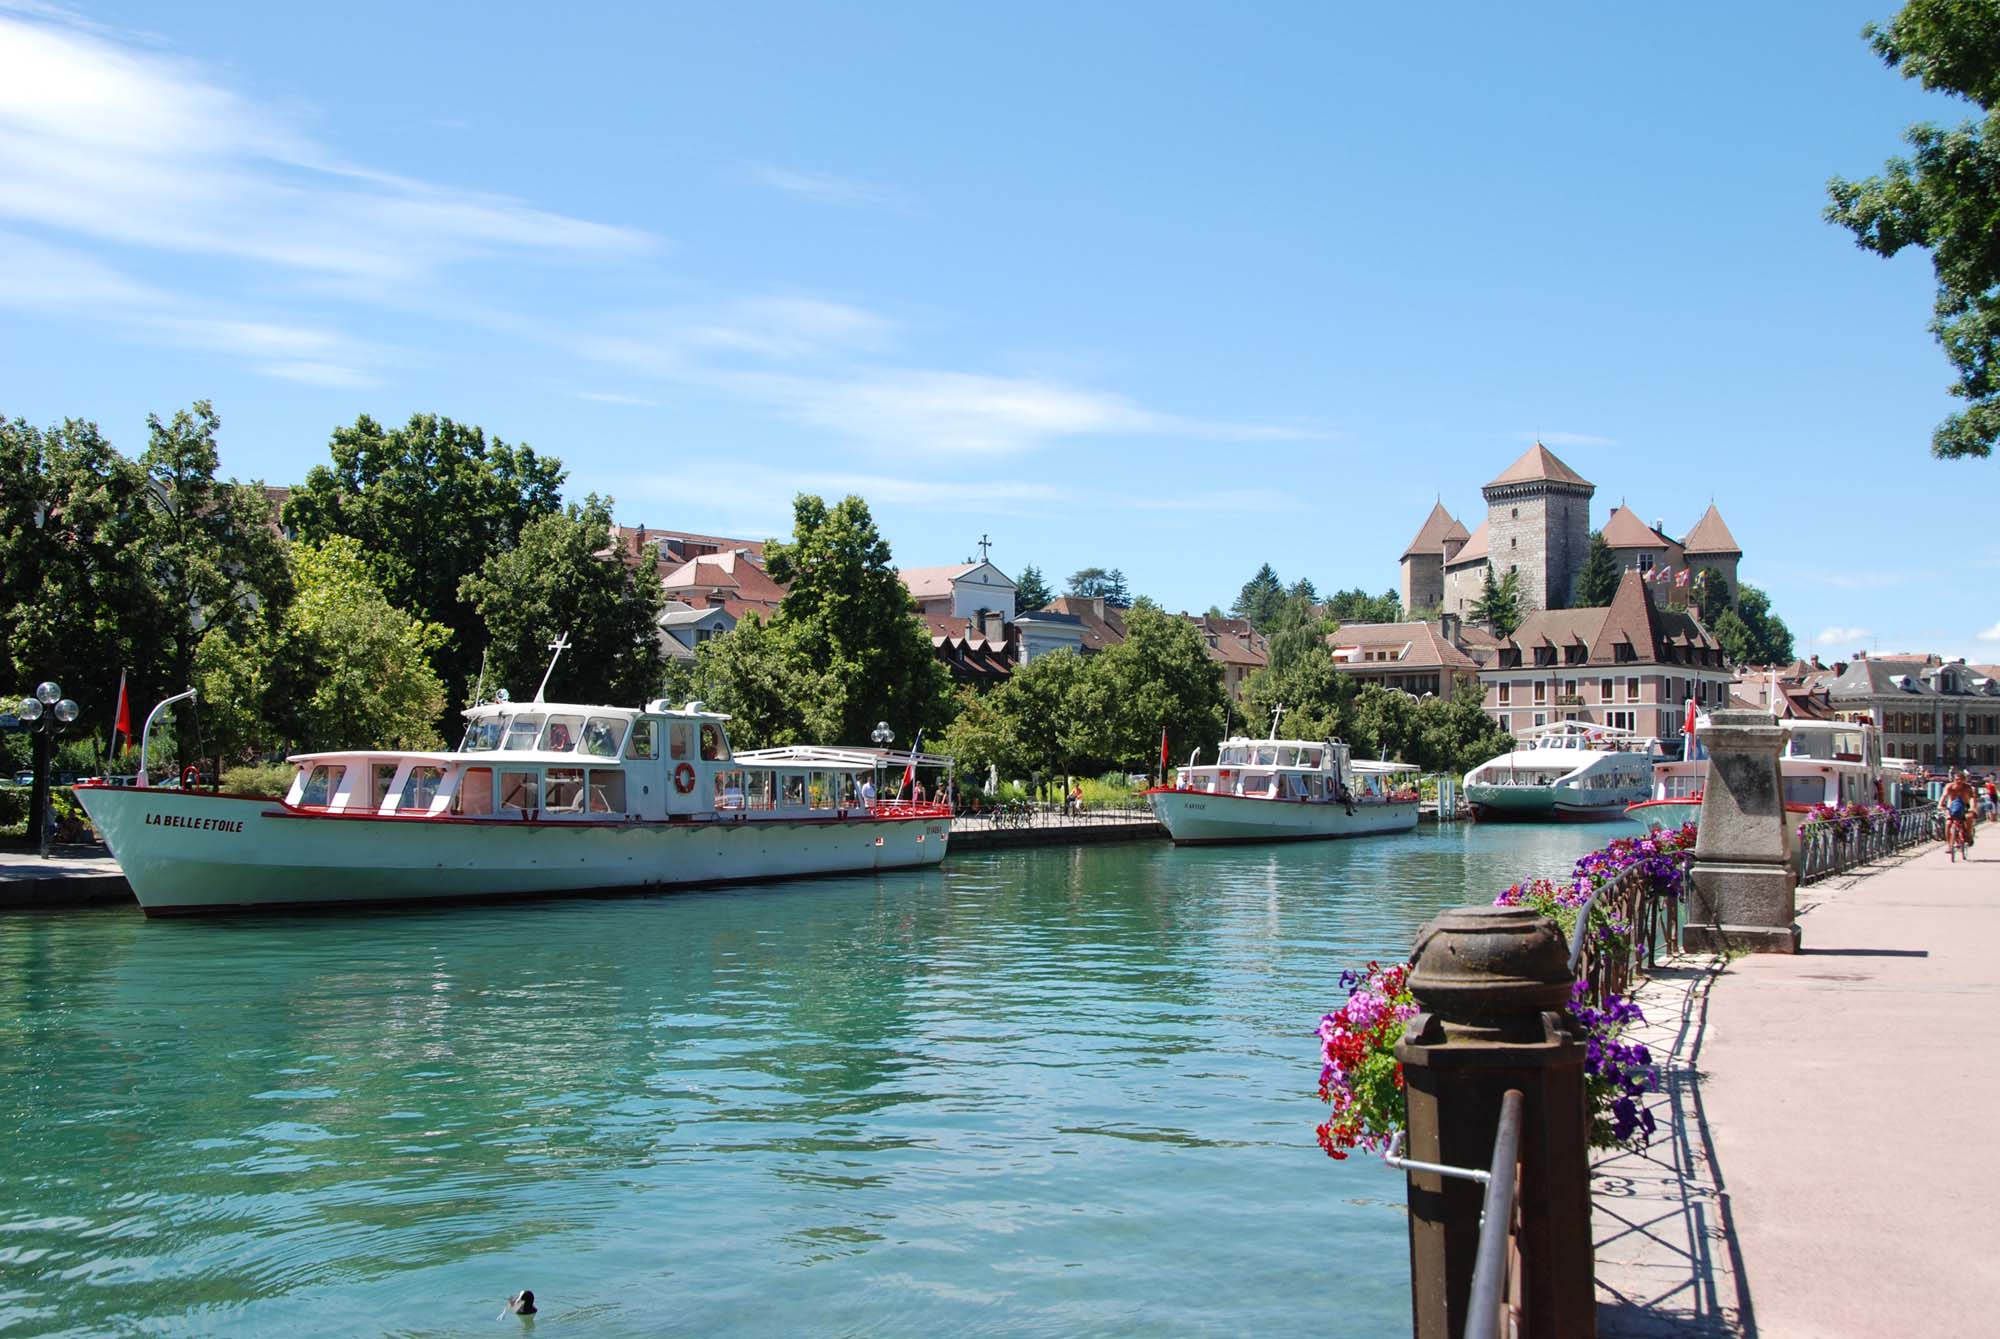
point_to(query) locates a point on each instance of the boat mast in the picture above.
(559, 645)
(1276, 712)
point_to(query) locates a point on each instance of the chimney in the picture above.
(1097, 606)
(1448, 628)
(996, 628)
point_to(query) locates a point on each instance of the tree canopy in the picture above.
(1096, 582)
(1750, 633)
(1261, 599)
(431, 502)
(553, 582)
(1597, 580)
(1943, 198)
(1032, 590)
(1499, 603)
(1358, 606)
(844, 650)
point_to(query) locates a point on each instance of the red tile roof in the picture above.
(1539, 463)
(1427, 649)
(1624, 530)
(1710, 535)
(1438, 528)
(1474, 550)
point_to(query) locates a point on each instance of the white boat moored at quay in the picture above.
(1265, 790)
(539, 799)
(1571, 771)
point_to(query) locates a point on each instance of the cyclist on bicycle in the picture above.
(1957, 801)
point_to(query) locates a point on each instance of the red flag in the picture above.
(1163, 755)
(122, 725)
(1687, 728)
(910, 771)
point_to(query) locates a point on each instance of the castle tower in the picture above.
(1538, 525)
(1711, 545)
(1436, 544)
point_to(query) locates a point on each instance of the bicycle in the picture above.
(1955, 837)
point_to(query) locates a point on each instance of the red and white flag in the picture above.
(122, 722)
(910, 771)
(1681, 577)
(1647, 575)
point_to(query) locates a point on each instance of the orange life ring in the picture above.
(684, 778)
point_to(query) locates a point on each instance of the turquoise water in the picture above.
(1055, 1092)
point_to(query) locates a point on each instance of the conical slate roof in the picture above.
(1539, 463)
(1710, 535)
(1438, 528)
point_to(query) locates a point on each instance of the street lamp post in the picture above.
(45, 714)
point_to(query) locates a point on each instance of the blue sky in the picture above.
(1174, 288)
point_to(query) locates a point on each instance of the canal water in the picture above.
(1060, 1091)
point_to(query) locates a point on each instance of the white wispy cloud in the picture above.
(824, 187)
(1843, 636)
(616, 397)
(1561, 438)
(123, 143)
(1991, 634)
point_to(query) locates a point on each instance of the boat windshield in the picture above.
(522, 732)
(483, 736)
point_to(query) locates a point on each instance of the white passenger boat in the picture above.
(1267, 790)
(1570, 771)
(1835, 763)
(540, 798)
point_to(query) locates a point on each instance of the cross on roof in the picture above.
(984, 544)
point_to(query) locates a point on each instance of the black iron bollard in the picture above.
(1492, 982)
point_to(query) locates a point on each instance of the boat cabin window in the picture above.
(602, 735)
(561, 735)
(522, 731)
(1804, 789)
(1267, 755)
(1288, 756)
(1233, 756)
(680, 741)
(520, 791)
(607, 790)
(760, 789)
(794, 793)
(1257, 784)
(483, 736)
(475, 792)
(644, 743)
(712, 747)
(729, 789)
(819, 793)
(1310, 758)
(562, 790)
(381, 776)
(420, 787)
(322, 783)
(849, 789)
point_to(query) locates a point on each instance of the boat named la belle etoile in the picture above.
(1265, 790)
(1569, 771)
(540, 798)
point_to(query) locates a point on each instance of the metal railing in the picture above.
(1650, 918)
(1025, 814)
(1493, 1308)
(1832, 846)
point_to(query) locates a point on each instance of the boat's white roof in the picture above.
(836, 759)
(1385, 767)
(1279, 743)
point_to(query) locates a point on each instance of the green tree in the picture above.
(1317, 698)
(1499, 603)
(1597, 582)
(1261, 599)
(1303, 589)
(1033, 590)
(1711, 595)
(1750, 633)
(554, 582)
(844, 649)
(74, 600)
(338, 668)
(1454, 734)
(213, 555)
(1385, 724)
(1358, 606)
(1159, 676)
(1096, 582)
(431, 502)
(1944, 198)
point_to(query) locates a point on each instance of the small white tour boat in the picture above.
(540, 798)
(1835, 763)
(1571, 771)
(1266, 790)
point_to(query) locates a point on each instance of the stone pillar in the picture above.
(1491, 982)
(1741, 885)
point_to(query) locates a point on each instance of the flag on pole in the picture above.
(1646, 576)
(1163, 755)
(122, 723)
(1681, 577)
(910, 770)
(1687, 725)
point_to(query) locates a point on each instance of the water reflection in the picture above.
(1053, 1091)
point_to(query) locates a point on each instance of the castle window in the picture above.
(1514, 543)
(1514, 514)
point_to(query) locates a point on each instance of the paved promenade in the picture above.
(75, 876)
(1826, 1158)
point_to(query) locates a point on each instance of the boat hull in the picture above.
(185, 852)
(1532, 804)
(1199, 818)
